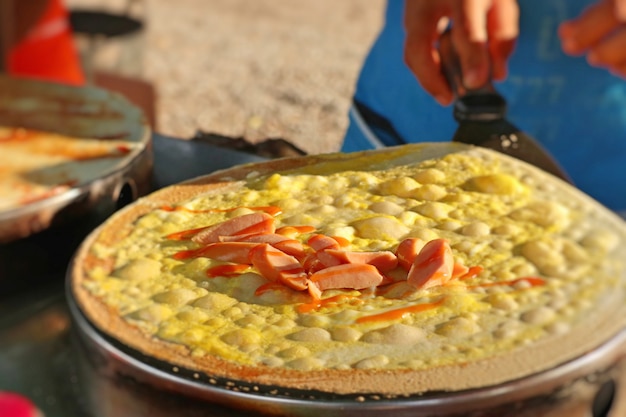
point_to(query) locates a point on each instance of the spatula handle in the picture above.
(484, 103)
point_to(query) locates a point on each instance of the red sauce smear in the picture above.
(226, 270)
(270, 286)
(185, 235)
(294, 230)
(186, 254)
(473, 271)
(56, 190)
(123, 149)
(399, 312)
(318, 304)
(19, 134)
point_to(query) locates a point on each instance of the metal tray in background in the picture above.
(82, 112)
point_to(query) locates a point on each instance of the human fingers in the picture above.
(502, 29)
(500, 51)
(620, 10)
(469, 37)
(596, 22)
(421, 19)
(610, 52)
(619, 70)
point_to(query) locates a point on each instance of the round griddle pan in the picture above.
(49, 229)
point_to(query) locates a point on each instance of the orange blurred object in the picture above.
(48, 52)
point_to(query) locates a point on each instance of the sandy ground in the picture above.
(256, 69)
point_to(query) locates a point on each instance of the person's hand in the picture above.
(599, 33)
(483, 34)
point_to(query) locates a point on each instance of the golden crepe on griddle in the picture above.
(398, 271)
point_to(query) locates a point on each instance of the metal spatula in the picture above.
(481, 114)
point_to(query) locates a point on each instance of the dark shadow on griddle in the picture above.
(270, 148)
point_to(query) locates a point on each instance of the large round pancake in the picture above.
(602, 322)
